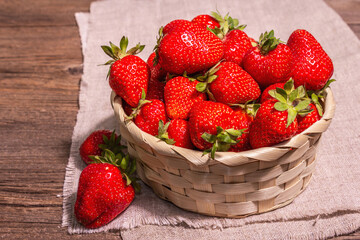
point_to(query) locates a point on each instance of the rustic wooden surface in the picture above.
(40, 69)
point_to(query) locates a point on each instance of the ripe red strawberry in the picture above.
(127, 108)
(246, 112)
(96, 142)
(156, 71)
(148, 114)
(269, 62)
(155, 89)
(180, 95)
(128, 74)
(206, 20)
(231, 84)
(176, 132)
(102, 195)
(214, 127)
(275, 121)
(236, 42)
(309, 119)
(189, 48)
(311, 66)
(269, 126)
(265, 94)
(178, 24)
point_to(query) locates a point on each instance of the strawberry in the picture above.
(102, 195)
(309, 119)
(104, 189)
(188, 47)
(214, 127)
(148, 114)
(276, 121)
(155, 89)
(236, 42)
(97, 142)
(128, 74)
(176, 132)
(155, 69)
(265, 94)
(177, 24)
(180, 95)
(127, 108)
(246, 114)
(206, 21)
(311, 66)
(269, 62)
(228, 83)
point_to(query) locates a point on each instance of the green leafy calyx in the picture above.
(118, 52)
(163, 133)
(268, 42)
(317, 96)
(250, 107)
(227, 24)
(112, 152)
(137, 109)
(294, 101)
(206, 79)
(156, 48)
(222, 140)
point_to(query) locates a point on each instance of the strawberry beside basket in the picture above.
(233, 184)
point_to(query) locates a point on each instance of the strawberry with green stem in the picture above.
(128, 74)
(214, 127)
(97, 142)
(236, 41)
(228, 83)
(269, 62)
(276, 119)
(306, 120)
(265, 94)
(317, 96)
(148, 114)
(106, 188)
(175, 132)
(247, 111)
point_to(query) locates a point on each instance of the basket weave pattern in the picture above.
(234, 184)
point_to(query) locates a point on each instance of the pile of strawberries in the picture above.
(211, 87)
(207, 86)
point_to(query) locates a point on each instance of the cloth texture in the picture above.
(329, 206)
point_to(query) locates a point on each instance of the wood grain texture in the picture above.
(40, 69)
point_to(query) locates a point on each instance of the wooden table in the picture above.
(40, 70)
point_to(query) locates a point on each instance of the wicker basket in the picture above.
(234, 184)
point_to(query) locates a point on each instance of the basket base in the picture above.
(185, 203)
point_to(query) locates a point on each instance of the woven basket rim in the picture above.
(197, 158)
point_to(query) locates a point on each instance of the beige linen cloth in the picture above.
(328, 207)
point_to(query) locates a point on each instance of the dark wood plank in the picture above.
(24, 13)
(40, 69)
